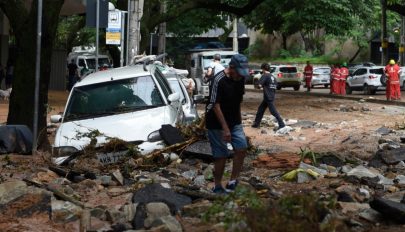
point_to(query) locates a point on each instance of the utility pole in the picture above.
(384, 36)
(235, 35)
(134, 34)
(162, 33)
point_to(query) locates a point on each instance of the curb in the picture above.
(346, 97)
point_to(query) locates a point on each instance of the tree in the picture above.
(23, 22)
(334, 17)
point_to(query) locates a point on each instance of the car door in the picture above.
(358, 77)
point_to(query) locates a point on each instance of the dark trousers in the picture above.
(71, 81)
(273, 111)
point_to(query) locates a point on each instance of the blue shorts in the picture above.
(218, 145)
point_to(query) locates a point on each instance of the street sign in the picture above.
(113, 36)
(91, 9)
(114, 20)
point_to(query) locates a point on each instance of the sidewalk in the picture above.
(316, 93)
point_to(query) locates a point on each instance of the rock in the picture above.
(169, 223)
(200, 181)
(364, 192)
(389, 209)
(209, 173)
(115, 216)
(400, 179)
(174, 157)
(400, 165)
(303, 177)
(360, 171)
(284, 131)
(383, 131)
(392, 156)
(352, 207)
(392, 189)
(118, 177)
(105, 180)
(157, 193)
(129, 211)
(65, 211)
(46, 177)
(346, 169)
(263, 132)
(114, 192)
(385, 181)
(397, 196)
(304, 124)
(154, 211)
(27, 205)
(98, 212)
(200, 150)
(315, 169)
(196, 209)
(190, 175)
(372, 182)
(332, 160)
(12, 190)
(370, 215)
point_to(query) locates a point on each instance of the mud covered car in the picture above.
(130, 103)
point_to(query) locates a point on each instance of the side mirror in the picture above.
(56, 118)
(198, 98)
(174, 97)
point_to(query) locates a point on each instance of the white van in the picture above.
(198, 62)
(88, 60)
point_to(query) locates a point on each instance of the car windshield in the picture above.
(288, 69)
(91, 63)
(113, 97)
(378, 71)
(322, 71)
(175, 85)
(225, 59)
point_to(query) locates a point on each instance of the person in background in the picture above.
(73, 74)
(335, 79)
(308, 72)
(269, 84)
(393, 90)
(344, 74)
(224, 120)
(214, 68)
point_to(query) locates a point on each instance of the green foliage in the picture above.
(307, 153)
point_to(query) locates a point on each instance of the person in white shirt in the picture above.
(214, 68)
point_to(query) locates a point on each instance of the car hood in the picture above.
(134, 126)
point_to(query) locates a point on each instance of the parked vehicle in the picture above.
(175, 78)
(366, 79)
(252, 73)
(87, 60)
(287, 76)
(129, 103)
(321, 76)
(198, 62)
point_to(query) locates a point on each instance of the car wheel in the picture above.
(403, 86)
(297, 87)
(366, 90)
(326, 86)
(348, 89)
(278, 87)
(312, 86)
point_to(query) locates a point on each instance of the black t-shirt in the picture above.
(229, 94)
(72, 67)
(269, 84)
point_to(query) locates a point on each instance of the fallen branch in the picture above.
(195, 193)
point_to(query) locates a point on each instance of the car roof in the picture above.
(115, 74)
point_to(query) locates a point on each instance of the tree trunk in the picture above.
(284, 41)
(21, 108)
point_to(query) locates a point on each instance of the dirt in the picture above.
(348, 134)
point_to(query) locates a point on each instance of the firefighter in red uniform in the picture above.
(393, 91)
(308, 72)
(335, 80)
(344, 73)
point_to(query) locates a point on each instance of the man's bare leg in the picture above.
(219, 167)
(238, 159)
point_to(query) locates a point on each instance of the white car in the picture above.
(366, 79)
(176, 78)
(321, 76)
(129, 103)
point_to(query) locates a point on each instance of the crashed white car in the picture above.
(130, 103)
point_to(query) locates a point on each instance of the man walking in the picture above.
(72, 74)
(269, 84)
(344, 73)
(224, 120)
(393, 91)
(308, 72)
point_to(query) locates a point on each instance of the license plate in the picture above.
(110, 158)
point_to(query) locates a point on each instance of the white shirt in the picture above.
(217, 67)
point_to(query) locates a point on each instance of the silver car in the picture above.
(321, 76)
